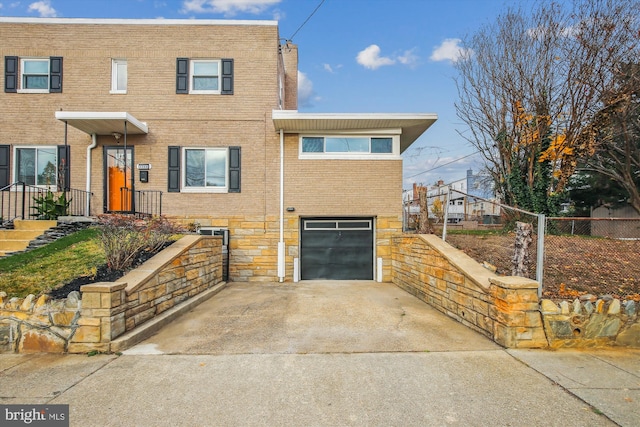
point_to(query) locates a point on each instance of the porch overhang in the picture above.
(103, 123)
(411, 125)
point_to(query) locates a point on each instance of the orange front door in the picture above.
(119, 179)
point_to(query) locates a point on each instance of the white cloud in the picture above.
(331, 68)
(450, 50)
(408, 58)
(0, 5)
(306, 94)
(370, 58)
(571, 31)
(227, 7)
(279, 15)
(43, 8)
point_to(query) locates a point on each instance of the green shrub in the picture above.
(49, 206)
(124, 237)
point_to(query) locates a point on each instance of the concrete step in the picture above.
(25, 230)
(33, 224)
(19, 234)
(13, 245)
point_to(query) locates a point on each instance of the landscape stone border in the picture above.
(90, 321)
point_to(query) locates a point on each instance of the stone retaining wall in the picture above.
(507, 309)
(504, 309)
(185, 269)
(591, 322)
(32, 325)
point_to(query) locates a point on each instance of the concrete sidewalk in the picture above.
(327, 354)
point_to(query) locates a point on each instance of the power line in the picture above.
(307, 20)
(444, 164)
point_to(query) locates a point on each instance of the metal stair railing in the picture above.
(18, 201)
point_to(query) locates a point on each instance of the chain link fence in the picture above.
(568, 256)
(598, 256)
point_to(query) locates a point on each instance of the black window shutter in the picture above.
(10, 73)
(227, 77)
(64, 167)
(5, 171)
(182, 75)
(173, 178)
(55, 74)
(234, 169)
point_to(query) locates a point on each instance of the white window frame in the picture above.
(192, 64)
(53, 186)
(22, 89)
(114, 76)
(394, 155)
(183, 171)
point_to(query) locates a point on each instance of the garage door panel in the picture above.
(336, 254)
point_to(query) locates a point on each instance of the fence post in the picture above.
(542, 223)
(23, 200)
(446, 215)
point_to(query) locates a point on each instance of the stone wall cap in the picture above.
(514, 282)
(74, 219)
(469, 267)
(105, 287)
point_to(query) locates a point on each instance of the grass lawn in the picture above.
(51, 266)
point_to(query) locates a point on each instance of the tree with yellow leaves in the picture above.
(531, 85)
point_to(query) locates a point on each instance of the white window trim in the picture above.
(14, 172)
(394, 155)
(183, 170)
(114, 76)
(192, 63)
(22, 67)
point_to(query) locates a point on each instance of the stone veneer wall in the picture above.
(504, 309)
(106, 311)
(253, 244)
(591, 322)
(507, 309)
(30, 325)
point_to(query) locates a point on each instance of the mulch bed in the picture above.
(103, 274)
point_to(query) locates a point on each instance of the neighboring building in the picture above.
(617, 223)
(466, 198)
(205, 114)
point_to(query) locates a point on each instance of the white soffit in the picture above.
(412, 125)
(103, 123)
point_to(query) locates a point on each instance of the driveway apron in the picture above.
(313, 317)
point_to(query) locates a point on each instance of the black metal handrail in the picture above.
(141, 202)
(19, 201)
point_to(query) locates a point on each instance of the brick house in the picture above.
(204, 113)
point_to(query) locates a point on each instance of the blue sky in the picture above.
(383, 56)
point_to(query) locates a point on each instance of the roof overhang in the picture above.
(411, 125)
(103, 123)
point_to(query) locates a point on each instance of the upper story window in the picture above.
(35, 74)
(36, 166)
(119, 76)
(32, 75)
(348, 147)
(204, 76)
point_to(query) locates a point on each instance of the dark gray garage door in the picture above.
(336, 248)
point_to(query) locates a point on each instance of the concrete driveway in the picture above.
(312, 317)
(326, 354)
